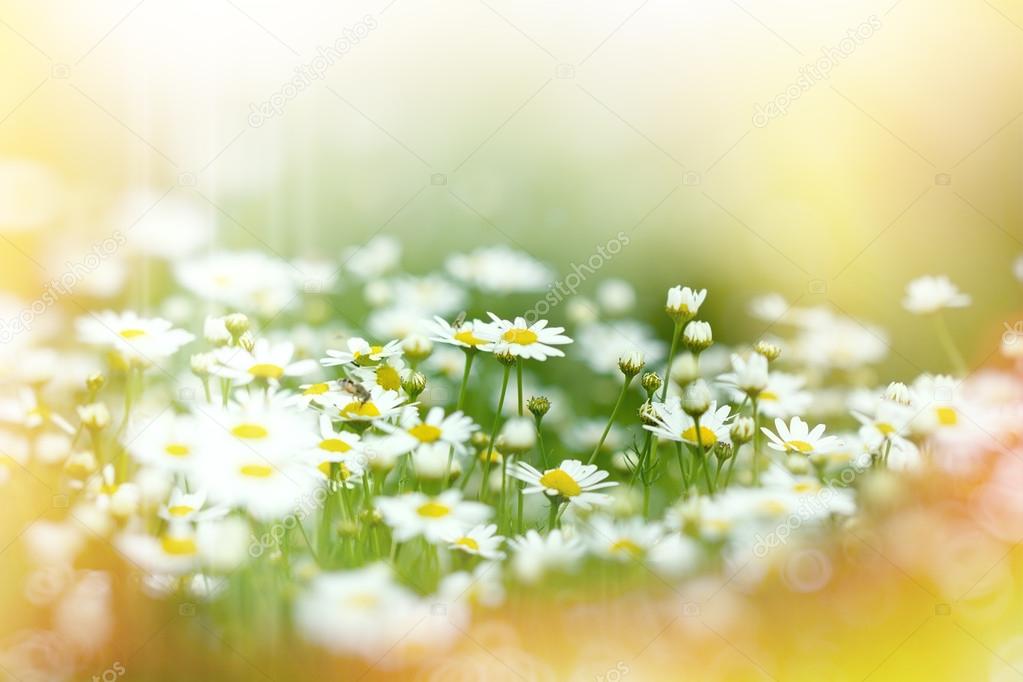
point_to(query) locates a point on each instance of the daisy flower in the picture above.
(184, 506)
(435, 518)
(386, 374)
(381, 404)
(929, 294)
(249, 281)
(887, 421)
(480, 540)
(360, 352)
(341, 448)
(501, 270)
(453, 430)
(684, 302)
(136, 338)
(601, 344)
(360, 612)
(463, 335)
(376, 257)
(625, 540)
(749, 374)
(175, 552)
(528, 341)
(797, 437)
(431, 294)
(936, 398)
(571, 480)
(535, 554)
(672, 423)
(270, 363)
(784, 396)
(170, 442)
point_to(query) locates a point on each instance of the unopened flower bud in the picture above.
(94, 382)
(479, 440)
(236, 324)
(203, 364)
(631, 364)
(94, 416)
(651, 381)
(797, 464)
(539, 406)
(517, 435)
(414, 383)
(683, 303)
(723, 450)
(685, 369)
(247, 341)
(769, 350)
(81, 465)
(371, 517)
(698, 336)
(647, 414)
(416, 347)
(742, 430)
(506, 358)
(696, 398)
(898, 392)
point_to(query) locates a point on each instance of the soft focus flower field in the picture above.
(339, 468)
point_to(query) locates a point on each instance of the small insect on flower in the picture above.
(571, 480)
(352, 403)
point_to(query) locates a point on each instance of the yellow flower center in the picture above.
(433, 510)
(178, 546)
(773, 507)
(334, 445)
(468, 543)
(264, 370)
(249, 431)
(522, 337)
(626, 546)
(180, 510)
(426, 433)
(177, 450)
(885, 428)
(767, 395)
(947, 416)
(357, 409)
(317, 389)
(556, 479)
(468, 338)
(362, 601)
(388, 377)
(805, 487)
(706, 435)
(798, 446)
(344, 473)
(132, 333)
(493, 455)
(256, 470)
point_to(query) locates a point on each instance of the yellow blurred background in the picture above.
(830, 151)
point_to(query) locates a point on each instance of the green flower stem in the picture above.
(704, 457)
(518, 377)
(491, 445)
(682, 468)
(611, 420)
(756, 441)
(470, 355)
(539, 442)
(945, 336)
(679, 326)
